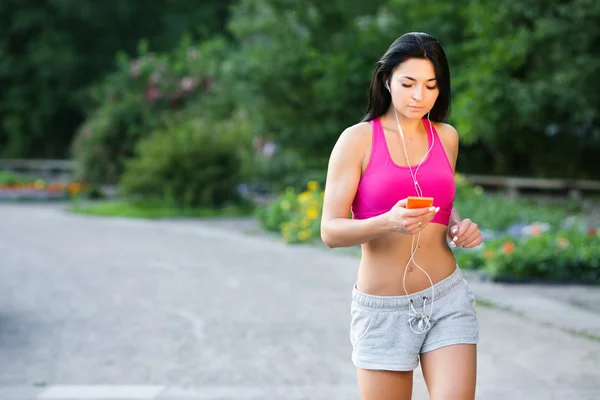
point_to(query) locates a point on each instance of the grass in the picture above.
(487, 303)
(154, 210)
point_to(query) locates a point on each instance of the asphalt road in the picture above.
(217, 314)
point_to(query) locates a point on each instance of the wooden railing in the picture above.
(514, 186)
(52, 170)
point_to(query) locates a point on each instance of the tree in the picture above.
(527, 91)
(52, 50)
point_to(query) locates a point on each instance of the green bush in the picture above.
(193, 163)
(555, 255)
(138, 98)
(297, 216)
(497, 212)
(12, 178)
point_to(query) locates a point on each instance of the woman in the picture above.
(410, 301)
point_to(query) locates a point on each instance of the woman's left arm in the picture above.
(461, 233)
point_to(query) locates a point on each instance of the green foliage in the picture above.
(530, 84)
(557, 255)
(296, 216)
(194, 162)
(52, 50)
(524, 76)
(293, 72)
(137, 99)
(304, 72)
(153, 209)
(496, 212)
(12, 178)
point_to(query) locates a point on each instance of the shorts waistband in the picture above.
(391, 303)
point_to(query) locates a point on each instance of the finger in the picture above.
(474, 243)
(419, 212)
(424, 219)
(469, 235)
(453, 234)
(466, 230)
(466, 237)
(402, 203)
(454, 230)
(464, 226)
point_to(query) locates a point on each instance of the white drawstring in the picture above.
(423, 320)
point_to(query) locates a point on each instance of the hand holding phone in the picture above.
(412, 214)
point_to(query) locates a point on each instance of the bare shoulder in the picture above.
(355, 139)
(447, 133)
(356, 134)
(449, 138)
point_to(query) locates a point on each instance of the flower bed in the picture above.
(17, 187)
(296, 216)
(524, 241)
(563, 255)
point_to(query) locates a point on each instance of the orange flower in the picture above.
(509, 247)
(489, 254)
(536, 229)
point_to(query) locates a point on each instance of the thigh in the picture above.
(385, 385)
(451, 372)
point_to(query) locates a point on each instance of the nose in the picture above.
(418, 93)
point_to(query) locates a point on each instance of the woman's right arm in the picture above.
(338, 229)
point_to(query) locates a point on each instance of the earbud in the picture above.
(387, 85)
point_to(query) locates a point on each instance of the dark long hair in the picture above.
(410, 45)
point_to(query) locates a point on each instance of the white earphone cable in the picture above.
(423, 326)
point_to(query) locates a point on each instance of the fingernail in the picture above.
(455, 238)
(431, 208)
(452, 244)
(454, 230)
(438, 209)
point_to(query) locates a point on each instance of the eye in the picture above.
(406, 85)
(431, 87)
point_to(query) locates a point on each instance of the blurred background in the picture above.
(208, 107)
(230, 109)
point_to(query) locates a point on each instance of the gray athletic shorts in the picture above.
(383, 339)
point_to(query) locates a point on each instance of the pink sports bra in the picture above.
(384, 182)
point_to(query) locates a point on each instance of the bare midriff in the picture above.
(383, 261)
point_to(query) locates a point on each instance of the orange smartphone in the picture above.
(419, 202)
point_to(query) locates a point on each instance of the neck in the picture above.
(412, 126)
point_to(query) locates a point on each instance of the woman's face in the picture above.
(414, 88)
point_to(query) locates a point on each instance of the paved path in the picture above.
(94, 308)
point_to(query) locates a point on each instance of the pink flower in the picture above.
(153, 94)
